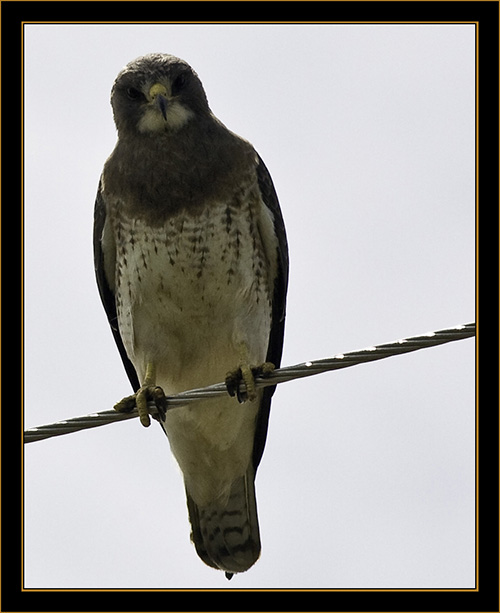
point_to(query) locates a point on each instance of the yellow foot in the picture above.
(247, 374)
(148, 392)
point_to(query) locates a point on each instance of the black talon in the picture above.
(233, 381)
(160, 400)
(235, 377)
(147, 394)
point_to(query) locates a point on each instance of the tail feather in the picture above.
(226, 536)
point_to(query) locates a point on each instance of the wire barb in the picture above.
(280, 375)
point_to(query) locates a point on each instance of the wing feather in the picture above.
(275, 345)
(104, 257)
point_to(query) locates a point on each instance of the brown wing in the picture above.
(275, 346)
(103, 261)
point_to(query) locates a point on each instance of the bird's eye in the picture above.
(179, 83)
(133, 93)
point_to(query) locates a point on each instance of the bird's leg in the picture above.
(246, 373)
(150, 391)
(147, 392)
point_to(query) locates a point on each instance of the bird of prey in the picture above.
(191, 261)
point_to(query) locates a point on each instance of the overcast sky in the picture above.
(368, 478)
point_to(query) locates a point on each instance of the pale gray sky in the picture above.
(368, 475)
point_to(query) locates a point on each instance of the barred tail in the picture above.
(226, 536)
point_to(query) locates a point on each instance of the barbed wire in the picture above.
(280, 375)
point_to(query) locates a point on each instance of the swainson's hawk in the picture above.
(192, 266)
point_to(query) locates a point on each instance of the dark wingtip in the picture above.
(229, 576)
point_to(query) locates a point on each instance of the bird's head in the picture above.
(156, 93)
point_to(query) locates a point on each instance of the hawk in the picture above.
(191, 262)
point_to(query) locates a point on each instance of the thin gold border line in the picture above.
(430, 22)
(183, 22)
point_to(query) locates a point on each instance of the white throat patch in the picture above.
(177, 117)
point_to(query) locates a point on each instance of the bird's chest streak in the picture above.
(191, 283)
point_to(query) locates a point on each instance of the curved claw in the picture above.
(233, 380)
(146, 394)
(160, 400)
(246, 374)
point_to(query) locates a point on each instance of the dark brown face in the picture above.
(155, 94)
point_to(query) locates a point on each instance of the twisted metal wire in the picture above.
(280, 375)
